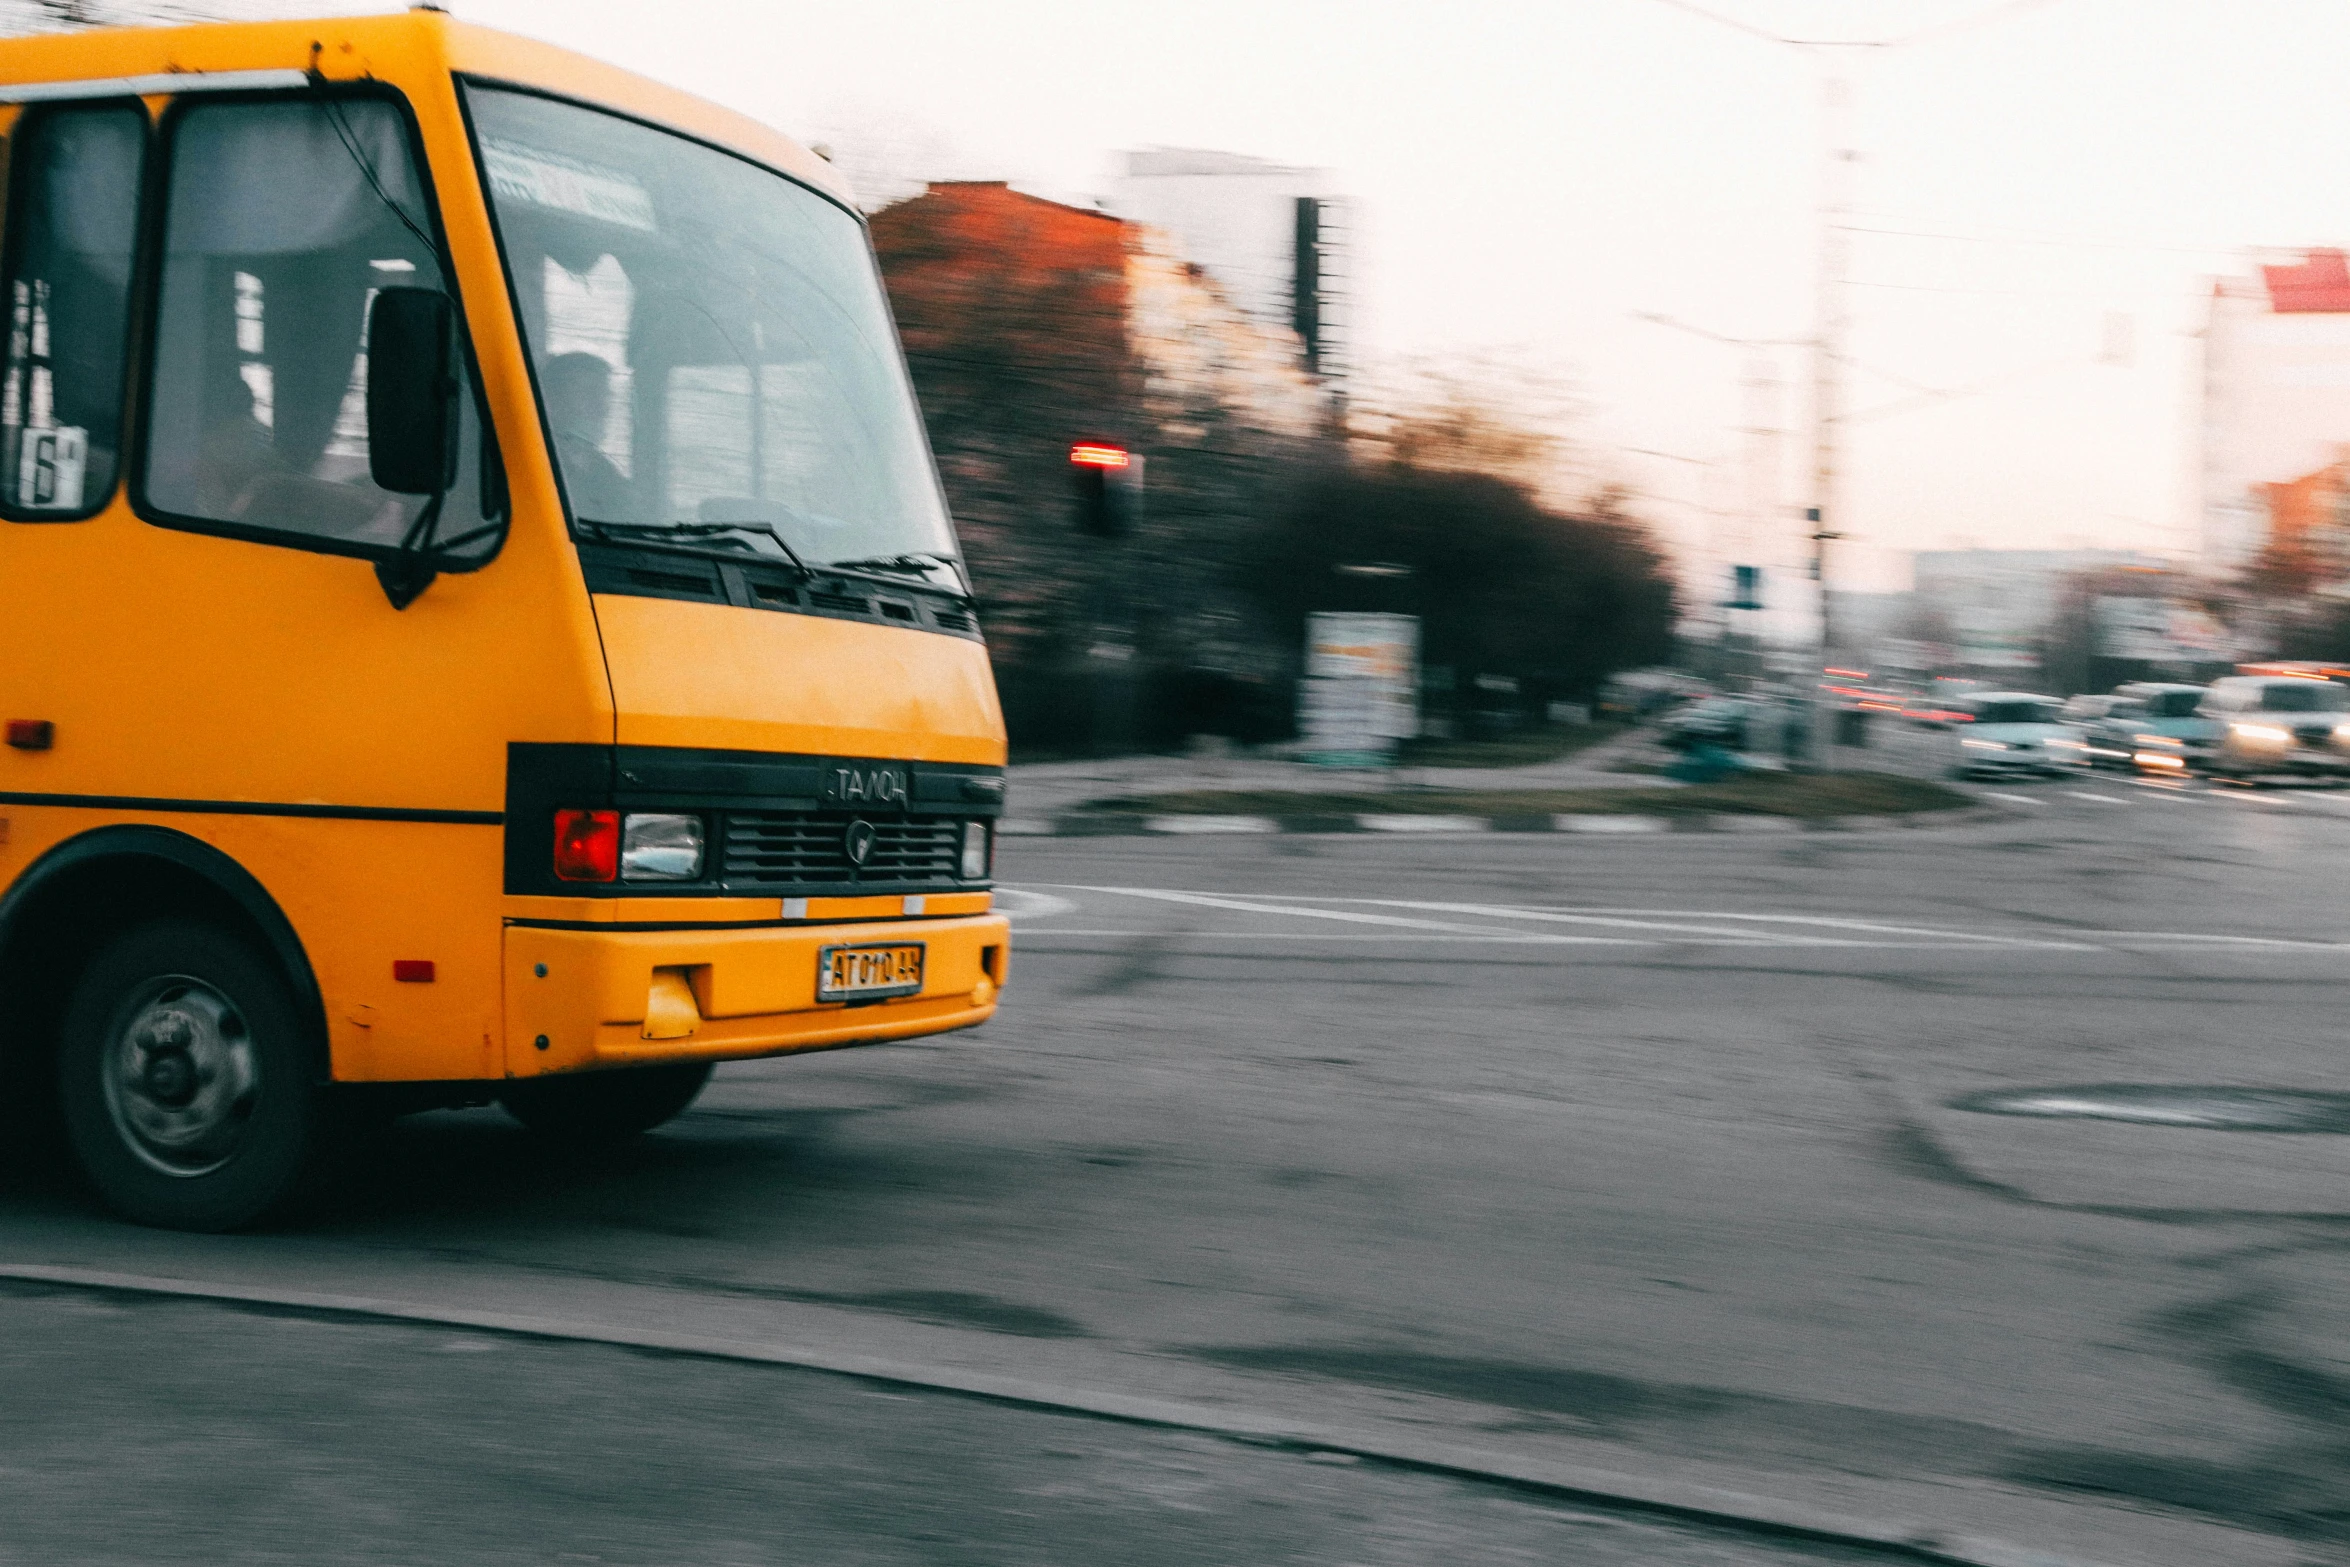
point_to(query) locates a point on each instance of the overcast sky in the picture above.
(1532, 176)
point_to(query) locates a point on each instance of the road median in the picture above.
(1756, 802)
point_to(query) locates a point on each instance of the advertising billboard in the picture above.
(1361, 691)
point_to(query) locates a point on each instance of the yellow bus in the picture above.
(478, 617)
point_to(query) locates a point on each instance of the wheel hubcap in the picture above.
(181, 1081)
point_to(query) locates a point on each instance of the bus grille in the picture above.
(784, 848)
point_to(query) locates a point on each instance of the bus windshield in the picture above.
(714, 355)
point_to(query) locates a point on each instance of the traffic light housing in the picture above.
(1108, 479)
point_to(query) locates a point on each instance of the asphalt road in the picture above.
(1664, 1159)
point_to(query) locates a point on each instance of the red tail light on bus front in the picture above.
(587, 845)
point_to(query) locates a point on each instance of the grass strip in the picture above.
(1527, 748)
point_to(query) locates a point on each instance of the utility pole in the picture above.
(1833, 320)
(1761, 509)
(1834, 328)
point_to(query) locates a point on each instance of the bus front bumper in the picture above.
(581, 999)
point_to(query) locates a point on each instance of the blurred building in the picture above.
(1274, 238)
(1031, 325)
(2305, 547)
(1993, 612)
(2275, 399)
(1872, 628)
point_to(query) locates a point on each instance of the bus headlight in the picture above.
(975, 856)
(660, 848)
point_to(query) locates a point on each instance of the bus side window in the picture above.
(75, 232)
(282, 220)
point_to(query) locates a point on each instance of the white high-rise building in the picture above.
(2276, 394)
(1272, 237)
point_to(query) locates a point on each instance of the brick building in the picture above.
(2308, 541)
(1030, 325)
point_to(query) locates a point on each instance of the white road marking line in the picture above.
(1495, 911)
(1666, 922)
(1210, 824)
(1612, 916)
(1874, 926)
(1207, 901)
(2101, 799)
(2111, 941)
(2012, 799)
(1499, 938)
(1649, 920)
(1402, 823)
(1766, 938)
(1502, 938)
(1833, 921)
(2225, 941)
(1030, 905)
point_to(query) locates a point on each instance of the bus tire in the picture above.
(188, 1090)
(604, 1107)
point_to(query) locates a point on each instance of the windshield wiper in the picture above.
(913, 563)
(656, 531)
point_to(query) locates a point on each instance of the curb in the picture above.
(1107, 825)
(1678, 1500)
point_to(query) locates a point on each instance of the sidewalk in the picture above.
(1187, 795)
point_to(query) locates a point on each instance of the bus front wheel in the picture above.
(602, 1107)
(187, 1093)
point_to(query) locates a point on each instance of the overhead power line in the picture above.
(1961, 24)
(1834, 215)
(2057, 240)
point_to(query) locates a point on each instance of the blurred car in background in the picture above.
(1940, 703)
(2086, 710)
(2008, 732)
(2154, 727)
(2270, 724)
(1727, 721)
(1641, 693)
(2082, 714)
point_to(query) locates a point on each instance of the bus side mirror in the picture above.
(412, 391)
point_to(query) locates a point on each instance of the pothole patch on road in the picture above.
(2209, 1108)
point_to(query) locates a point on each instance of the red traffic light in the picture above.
(1088, 454)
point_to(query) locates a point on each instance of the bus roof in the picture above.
(407, 45)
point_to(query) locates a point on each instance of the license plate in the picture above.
(869, 972)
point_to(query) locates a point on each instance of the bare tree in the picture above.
(1493, 412)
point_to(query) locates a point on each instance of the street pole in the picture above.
(1833, 323)
(1761, 509)
(1834, 328)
